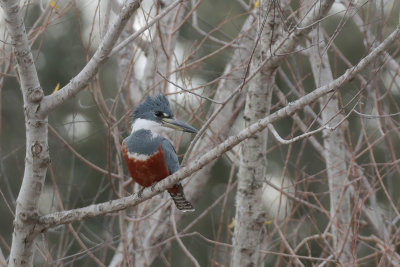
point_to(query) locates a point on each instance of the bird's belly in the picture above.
(146, 170)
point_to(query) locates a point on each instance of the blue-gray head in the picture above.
(155, 114)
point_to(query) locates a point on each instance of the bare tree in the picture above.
(320, 76)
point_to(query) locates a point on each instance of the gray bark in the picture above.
(334, 153)
(250, 216)
(37, 150)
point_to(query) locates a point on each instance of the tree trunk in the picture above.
(250, 216)
(37, 149)
(334, 153)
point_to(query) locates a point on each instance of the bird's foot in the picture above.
(140, 193)
(153, 187)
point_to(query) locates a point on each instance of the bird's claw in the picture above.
(153, 185)
(140, 193)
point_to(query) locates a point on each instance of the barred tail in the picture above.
(178, 196)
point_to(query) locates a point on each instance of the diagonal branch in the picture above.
(136, 34)
(64, 217)
(81, 80)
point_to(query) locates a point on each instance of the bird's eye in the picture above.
(159, 114)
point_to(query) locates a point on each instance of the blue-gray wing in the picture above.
(170, 156)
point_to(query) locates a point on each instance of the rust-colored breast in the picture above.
(148, 171)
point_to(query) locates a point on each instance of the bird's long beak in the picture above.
(178, 125)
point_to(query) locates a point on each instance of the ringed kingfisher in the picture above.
(149, 156)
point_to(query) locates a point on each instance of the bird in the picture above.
(149, 156)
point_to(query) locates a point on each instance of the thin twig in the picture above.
(187, 90)
(178, 239)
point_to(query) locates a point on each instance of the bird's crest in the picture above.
(146, 109)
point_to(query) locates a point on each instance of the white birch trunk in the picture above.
(334, 153)
(250, 216)
(37, 150)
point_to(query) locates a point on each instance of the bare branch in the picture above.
(185, 250)
(146, 27)
(187, 90)
(81, 80)
(305, 135)
(58, 218)
(80, 157)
